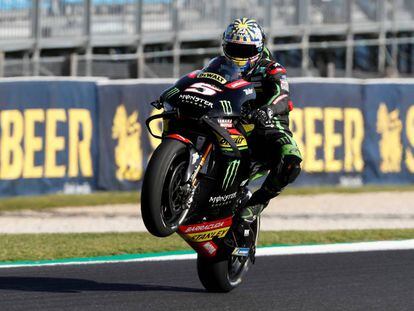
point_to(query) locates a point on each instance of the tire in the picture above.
(218, 275)
(225, 274)
(160, 212)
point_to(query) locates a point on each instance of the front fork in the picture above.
(195, 164)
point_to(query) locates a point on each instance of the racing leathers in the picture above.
(271, 141)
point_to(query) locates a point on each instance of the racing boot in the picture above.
(244, 197)
(257, 203)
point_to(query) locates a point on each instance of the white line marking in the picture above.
(337, 248)
(264, 251)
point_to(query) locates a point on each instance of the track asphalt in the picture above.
(382, 280)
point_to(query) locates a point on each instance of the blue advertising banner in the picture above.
(389, 118)
(328, 125)
(82, 135)
(48, 140)
(124, 142)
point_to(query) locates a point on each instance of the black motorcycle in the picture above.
(195, 183)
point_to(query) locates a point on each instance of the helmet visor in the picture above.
(237, 50)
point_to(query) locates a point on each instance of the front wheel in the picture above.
(161, 207)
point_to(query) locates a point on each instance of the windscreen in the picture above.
(223, 67)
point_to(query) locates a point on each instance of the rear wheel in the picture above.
(225, 274)
(222, 275)
(161, 203)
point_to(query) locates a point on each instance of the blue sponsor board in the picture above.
(48, 139)
(389, 124)
(78, 136)
(328, 125)
(124, 142)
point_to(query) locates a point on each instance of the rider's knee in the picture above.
(290, 169)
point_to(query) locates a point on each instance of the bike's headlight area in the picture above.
(168, 107)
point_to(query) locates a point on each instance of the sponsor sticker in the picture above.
(248, 91)
(222, 198)
(239, 140)
(212, 76)
(210, 247)
(207, 236)
(231, 173)
(236, 84)
(226, 105)
(226, 123)
(195, 100)
(171, 93)
(241, 251)
(206, 226)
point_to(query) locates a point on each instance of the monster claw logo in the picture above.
(171, 93)
(226, 105)
(231, 173)
(128, 154)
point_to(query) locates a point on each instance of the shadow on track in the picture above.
(67, 285)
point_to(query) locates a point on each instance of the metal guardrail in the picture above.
(33, 25)
(63, 18)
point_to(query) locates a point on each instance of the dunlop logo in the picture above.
(171, 92)
(231, 173)
(226, 106)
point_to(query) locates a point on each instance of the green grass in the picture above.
(102, 198)
(345, 190)
(18, 247)
(60, 200)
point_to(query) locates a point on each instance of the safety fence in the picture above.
(77, 136)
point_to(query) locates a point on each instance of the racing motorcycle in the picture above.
(195, 182)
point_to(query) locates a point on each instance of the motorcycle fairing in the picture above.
(200, 235)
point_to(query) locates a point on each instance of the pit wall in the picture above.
(81, 135)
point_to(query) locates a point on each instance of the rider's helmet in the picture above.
(243, 43)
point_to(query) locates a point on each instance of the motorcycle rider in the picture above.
(271, 142)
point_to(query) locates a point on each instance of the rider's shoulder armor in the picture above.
(269, 80)
(275, 71)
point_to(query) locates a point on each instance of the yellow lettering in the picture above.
(409, 129)
(332, 140)
(32, 143)
(354, 137)
(313, 139)
(80, 140)
(54, 143)
(11, 151)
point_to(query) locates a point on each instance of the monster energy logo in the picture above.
(231, 173)
(226, 106)
(171, 92)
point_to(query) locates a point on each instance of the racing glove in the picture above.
(262, 117)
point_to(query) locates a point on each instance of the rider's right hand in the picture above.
(261, 117)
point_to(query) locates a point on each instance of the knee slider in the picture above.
(290, 168)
